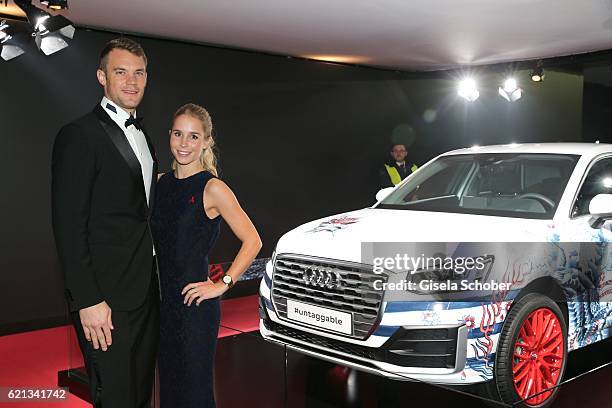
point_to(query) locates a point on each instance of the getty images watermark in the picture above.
(441, 266)
(444, 271)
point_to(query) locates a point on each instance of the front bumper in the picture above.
(360, 357)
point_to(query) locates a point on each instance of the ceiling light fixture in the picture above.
(4, 35)
(537, 74)
(10, 43)
(510, 90)
(468, 90)
(50, 32)
(55, 4)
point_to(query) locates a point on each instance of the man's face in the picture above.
(124, 79)
(398, 152)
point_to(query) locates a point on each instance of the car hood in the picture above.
(340, 236)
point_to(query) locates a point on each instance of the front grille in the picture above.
(354, 293)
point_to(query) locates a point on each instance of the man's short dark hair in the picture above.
(121, 43)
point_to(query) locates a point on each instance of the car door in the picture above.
(587, 279)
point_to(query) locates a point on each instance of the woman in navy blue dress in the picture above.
(190, 202)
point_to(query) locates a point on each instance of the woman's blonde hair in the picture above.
(208, 158)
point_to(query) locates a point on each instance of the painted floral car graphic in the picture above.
(534, 216)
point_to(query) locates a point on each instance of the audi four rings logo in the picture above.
(324, 277)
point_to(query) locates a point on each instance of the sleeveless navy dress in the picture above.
(188, 334)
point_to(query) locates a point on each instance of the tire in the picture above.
(531, 353)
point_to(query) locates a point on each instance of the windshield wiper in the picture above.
(424, 200)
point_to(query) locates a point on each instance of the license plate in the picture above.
(323, 317)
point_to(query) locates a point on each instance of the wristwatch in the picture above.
(228, 280)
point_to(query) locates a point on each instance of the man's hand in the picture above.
(97, 325)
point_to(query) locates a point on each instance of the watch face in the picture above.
(227, 279)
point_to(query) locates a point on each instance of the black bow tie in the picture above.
(134, 121)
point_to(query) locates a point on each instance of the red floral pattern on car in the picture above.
(335, 224)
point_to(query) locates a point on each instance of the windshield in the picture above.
(520, 185)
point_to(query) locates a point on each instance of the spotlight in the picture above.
(10, 43)
(55, 4)
(467, 90)
(40, 24)
(50, 35)
(49, 31)
(537, 74)
(3, 28)
(510, 91)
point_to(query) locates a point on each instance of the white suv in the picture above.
(534, 219)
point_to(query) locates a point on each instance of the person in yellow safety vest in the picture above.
(396, 169)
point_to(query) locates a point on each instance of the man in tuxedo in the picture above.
(104, 172)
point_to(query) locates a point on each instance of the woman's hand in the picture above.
(200, 291)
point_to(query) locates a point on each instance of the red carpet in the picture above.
(33, 359)
(239, 313)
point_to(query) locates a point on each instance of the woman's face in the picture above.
(187, 139)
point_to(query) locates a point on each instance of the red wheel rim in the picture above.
(538, 356)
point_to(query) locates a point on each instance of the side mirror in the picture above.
(600, 208)
(382, 194)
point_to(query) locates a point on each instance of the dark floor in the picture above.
(251, 372)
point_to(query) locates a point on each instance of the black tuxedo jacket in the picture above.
(100, 214)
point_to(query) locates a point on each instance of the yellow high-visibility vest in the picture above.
(394, 174)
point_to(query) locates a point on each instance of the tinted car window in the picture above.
(523, 185)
